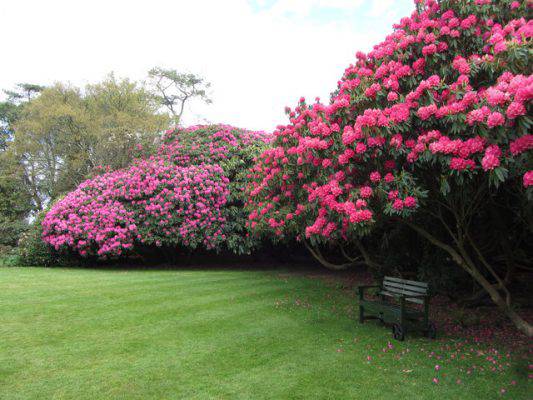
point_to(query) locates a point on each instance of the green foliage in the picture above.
(49, 135)
(32, 251)
(23, 92)
(11, 231)
(8, 259)
(11, 108)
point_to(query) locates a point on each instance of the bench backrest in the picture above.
(396, 286)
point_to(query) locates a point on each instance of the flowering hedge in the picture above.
(440, 108)
(189, 195)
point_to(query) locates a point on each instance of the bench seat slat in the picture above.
(398, 280)
(406, 293)
(403, 291)
(405, 287)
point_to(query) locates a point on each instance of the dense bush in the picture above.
(189, 195)
(430, 129)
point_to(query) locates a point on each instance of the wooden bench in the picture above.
(397, 313)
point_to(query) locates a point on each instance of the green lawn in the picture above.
(218, 334)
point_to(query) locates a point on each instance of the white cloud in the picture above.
(303, 8)
(382, 8)
(258, 61)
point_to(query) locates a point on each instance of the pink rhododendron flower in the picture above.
(461, 65)
(460, 164)
(515, 109)
(365, 192)
(375, 176)
(409, 202)
(495, 119)
(398, 204)
(528, 179)
(392, 96)
(491, 159)
(521, 145)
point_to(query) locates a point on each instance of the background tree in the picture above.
(174, 89)
(24, 92)
(64, 134)
(125, 122)
(10, 109)
(8, 115)
(51, 133)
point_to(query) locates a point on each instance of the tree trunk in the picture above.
(520, 323)
(368, 259)
(470, 267)
(320, 258)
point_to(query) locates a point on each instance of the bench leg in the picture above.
(398, 332)
(361, 314)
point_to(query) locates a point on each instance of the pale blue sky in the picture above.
(260, 55)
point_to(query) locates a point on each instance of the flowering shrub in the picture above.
(234, 150)
(437, 110)
(190, 195)
(152, 203)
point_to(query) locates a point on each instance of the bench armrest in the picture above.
(361, 289)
